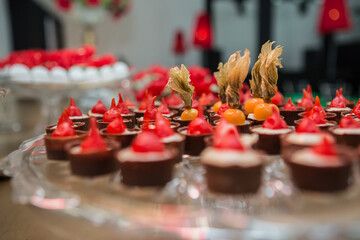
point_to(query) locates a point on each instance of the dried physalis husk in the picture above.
(265, 72)
(237, 70)
(179, 81)
(221, 78)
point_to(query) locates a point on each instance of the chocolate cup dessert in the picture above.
(243, 128)
(146, 173)
(338, 112)
(183, 123)
(194, 144)
(177, 109)
(101, 124)
(84, 118)
(291, 115)
(131, 117)
(294, 141)
(255, 122)
(140, 121)
(213, 116)
(323, 127)
(125, 139)
(329, 116)
(178, 143)
(351, 104)
(347, 137)
(323, 178)
(77, 126)
(139, 113)
(173, 125)
(92, 163)
(55, 146)
(98, 116)
(248, 140)
(269, 142)
(233, 179)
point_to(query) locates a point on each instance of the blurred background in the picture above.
(321, 38)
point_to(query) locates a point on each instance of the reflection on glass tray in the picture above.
(184, 206)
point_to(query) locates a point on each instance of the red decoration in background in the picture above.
(64, 5)
(334, 16)
(203, 34)
(179, 44)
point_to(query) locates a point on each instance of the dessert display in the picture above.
(76, 116)
(195, 134)
(349, 103)
(117, 131)
(150, 113)
(174, 102)
(330, 116)
(98, 110)
(110, 115)
(130, 104)
(338, 106)
(125, 112)
(168, 136)
(317, 116)
(264, 79)
(179, 81)
(230, 167)
(237, 70)
(55, 142)
(322, 168)
(147, 162)
(165, 111)
(278, 98)
(94, 156)
(64, 118)
(290, 112)
(307, 134)
(63, 66)
(348, 132)
(270, 132)
(307, 101)
(140, 111)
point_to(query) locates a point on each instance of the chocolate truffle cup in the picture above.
(194, 144)
(173, 125)
(147, 173)
(323, 127)
(140, 121)
(213, 116)
(322, 178)
(131, 117)
(291, 115)
(288, 148)
(139, 113)
(184, 123)
(329, 116)
(77, 126)
(101, 124)
(338, 113)
(179, 145)
(55, 146)
(347, 139)
(243, 128)
(92, 163)
(124, 139)
(269, 143)
(84, 118)
(257, 122)
(351, 104)
(233, 179)
(98, 116)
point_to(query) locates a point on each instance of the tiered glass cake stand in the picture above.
(184, 207)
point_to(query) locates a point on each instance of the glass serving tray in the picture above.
(185, 207)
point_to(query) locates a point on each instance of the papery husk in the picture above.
(221, 78)
(237, 70)
(265, 72)
(179, 81)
